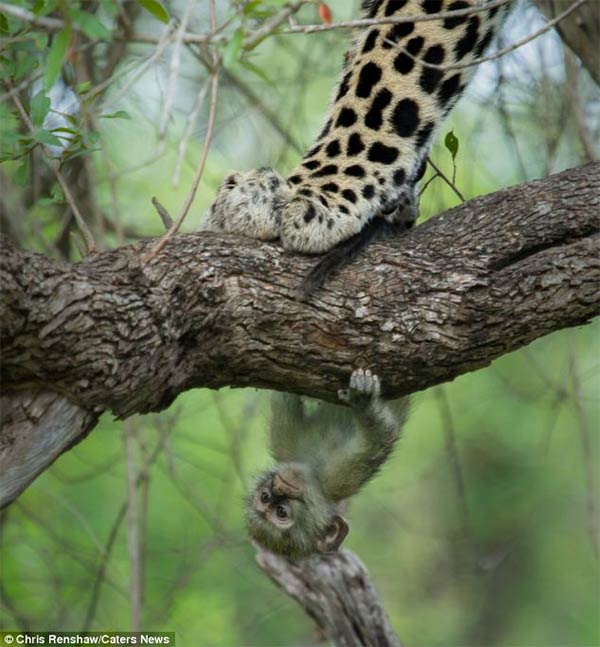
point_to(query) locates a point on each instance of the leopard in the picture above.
(398, 83)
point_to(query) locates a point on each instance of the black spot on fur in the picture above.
(305, 191)
(404, 62)
(314, 150)
(311, 165)
(434, 54)
(469, 40)
(369, 76)
(346, 118)
(399, 176)
(374, 117)
(414, 45)
(370, 41)
(343, 209)
(356, 170)
(331, 187)
(355, 144)
(396, 33)
(382, 154)
(451, 23)
(430, 77)
(393, 6)
(370, 7)
(309, 214)
(448, 89)
(295, 179)
(330, 169)
(325, 131)
(493, 11)
(485, 41)
(349, 195)
(324, 201)
(405, 118)
(368, 191)
(421, 170)
(424, 134)
(431, 6)
(344, 86)
(329, 223)
(333, 148)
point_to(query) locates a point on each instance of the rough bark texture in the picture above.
(114, 333)
(580, 30)
(336, 592)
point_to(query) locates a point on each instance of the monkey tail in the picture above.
(346, 251)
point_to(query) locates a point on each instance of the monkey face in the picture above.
(287, 514)
(278, 498)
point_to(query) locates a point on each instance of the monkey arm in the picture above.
(287, 421)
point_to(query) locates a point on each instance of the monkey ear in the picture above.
(336, 533)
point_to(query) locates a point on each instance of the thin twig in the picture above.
(187, 131)
(162, 44)
(214, 88)
(451, 184)
(498, 53)
(252, 39)
(133, 539)
(587, 456)
(87, 234)
(174, 71)
(269, 26)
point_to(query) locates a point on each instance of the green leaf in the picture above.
(56, 56)
(233, 48)
(7, 68)
(256, 70)
(38, 7)
(22, 173)
(84, 87)
(39, 106)
(3, 23)
(451, 143)
(56, 193)
(47, 138)
(24, 65)
(120, 114)
(250, 7)
(156, 9)
(90, 24)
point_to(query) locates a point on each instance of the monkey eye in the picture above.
(265, 497)
(282, 512)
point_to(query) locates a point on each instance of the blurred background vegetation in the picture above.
(482, 528)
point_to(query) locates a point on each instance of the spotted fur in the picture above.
(372, 151)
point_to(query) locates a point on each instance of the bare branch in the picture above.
(114, 333)
(337, 593)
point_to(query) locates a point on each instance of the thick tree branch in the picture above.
(111, 333)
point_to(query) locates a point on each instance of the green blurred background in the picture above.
(483, 527)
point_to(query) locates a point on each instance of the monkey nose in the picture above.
(288, 481)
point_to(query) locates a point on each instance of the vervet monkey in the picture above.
(325, 453)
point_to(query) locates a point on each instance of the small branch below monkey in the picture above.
(336, 592)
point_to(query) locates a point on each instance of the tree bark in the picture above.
(337, 593)
(116, 333)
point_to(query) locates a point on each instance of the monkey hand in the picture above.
(363, 390)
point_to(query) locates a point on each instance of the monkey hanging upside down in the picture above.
(324, 456)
